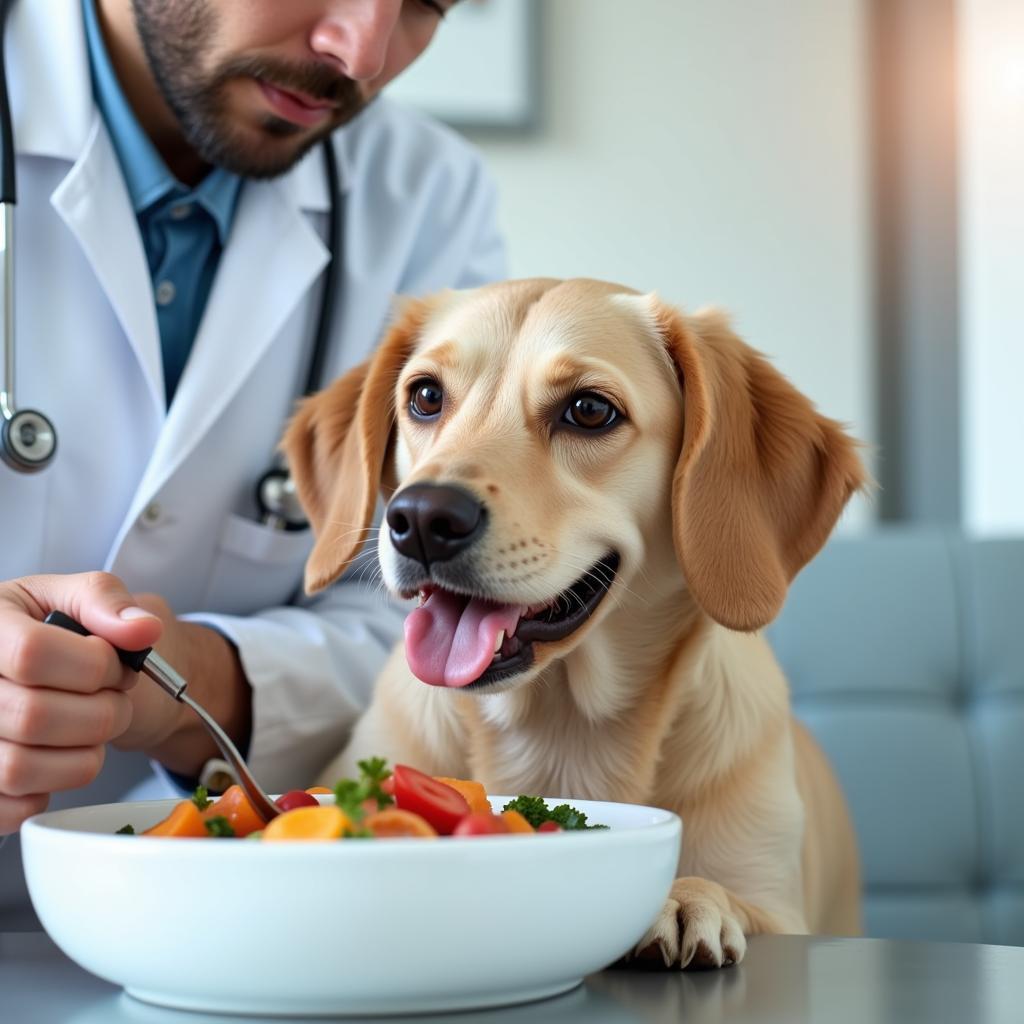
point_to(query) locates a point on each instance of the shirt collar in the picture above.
(148, 178)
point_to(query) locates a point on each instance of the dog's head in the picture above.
(543, 445)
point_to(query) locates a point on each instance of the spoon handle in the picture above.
(151, 664)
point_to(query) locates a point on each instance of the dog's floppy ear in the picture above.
(761, 478)
(336, 444)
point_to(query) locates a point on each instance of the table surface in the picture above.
(789, 979)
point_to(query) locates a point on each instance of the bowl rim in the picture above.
(45, 826)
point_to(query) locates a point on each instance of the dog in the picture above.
(600, 500)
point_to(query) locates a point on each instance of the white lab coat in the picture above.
(164, 498)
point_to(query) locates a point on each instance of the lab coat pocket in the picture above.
(256, 567)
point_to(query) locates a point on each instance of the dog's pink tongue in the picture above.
(449, 639)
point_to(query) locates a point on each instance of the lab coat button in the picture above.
(165, 292)
(152, 514)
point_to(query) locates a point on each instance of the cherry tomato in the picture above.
(479, 824)
(439, 804)
(549, 826)
(296, 798)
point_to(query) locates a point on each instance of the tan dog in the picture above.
(601, 500)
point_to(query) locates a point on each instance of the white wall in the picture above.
(715, 151)
(992, 263)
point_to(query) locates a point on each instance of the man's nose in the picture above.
(356, 35)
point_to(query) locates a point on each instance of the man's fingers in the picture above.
(38, 717)
(25, 771)
(35, 654)
(15, 809)
(100, 602)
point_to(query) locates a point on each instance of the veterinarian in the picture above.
(172, 238)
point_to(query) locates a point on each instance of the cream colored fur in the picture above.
(720, 482)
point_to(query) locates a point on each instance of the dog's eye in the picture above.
(425, 399)
(589, 411)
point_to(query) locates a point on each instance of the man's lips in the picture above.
(295, 107)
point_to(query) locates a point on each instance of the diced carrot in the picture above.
(234, 805)
(394, 822)
(474, 793)
(516, 822)
(184, 820)
(319, 791)
(310, 823)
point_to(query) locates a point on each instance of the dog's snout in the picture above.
(434, 522)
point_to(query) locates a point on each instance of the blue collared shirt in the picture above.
(183, 230)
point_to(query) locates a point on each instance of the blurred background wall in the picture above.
(843, 175)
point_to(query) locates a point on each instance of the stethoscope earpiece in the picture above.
(27, 441)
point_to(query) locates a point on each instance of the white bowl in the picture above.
(352, 927)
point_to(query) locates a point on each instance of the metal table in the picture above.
(784, 979)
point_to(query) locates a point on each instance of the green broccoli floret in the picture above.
(125, 830)
(536, 812)
(219, 827)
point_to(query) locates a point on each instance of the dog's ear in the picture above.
(336, 445)
(761, 477)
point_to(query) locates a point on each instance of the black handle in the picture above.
(8, 193)
(133, 659)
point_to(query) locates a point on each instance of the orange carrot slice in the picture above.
(184, 821)
(234, 805)
(516, 822)
(393, 822)
(310, 823)
(319, 791)
(474, 793)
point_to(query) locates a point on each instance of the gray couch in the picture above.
(905, 651)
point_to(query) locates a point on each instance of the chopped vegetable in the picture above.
(536, 812)
(473, 792)
(477, 824)
(234, 805)
(516, 822)
(310, 823)
(393, 822)
(184, 820)
(201, 798)
(125, 830)
(296, 798)
(220, 827)
(441, 805)
(351, 794)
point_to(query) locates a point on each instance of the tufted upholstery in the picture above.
(905, 652)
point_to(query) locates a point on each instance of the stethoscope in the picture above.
(28, 440)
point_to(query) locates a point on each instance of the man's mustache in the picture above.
(311, 78)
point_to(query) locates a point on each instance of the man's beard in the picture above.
(176, 34)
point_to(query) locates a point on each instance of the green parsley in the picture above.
(125, 830)
(219, 827)
(536, 812)
(201, 798)
(351, 794)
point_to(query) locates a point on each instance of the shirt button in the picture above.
(152, 514)
(165, 292)
(182, 211)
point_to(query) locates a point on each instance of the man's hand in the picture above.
(63, 697)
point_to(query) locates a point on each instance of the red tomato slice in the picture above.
(442, 806)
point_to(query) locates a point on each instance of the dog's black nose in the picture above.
(434, 522)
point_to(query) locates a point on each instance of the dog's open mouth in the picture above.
(455, 640)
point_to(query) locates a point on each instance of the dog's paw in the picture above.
(695, 929)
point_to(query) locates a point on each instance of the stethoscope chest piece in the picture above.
(28, 441)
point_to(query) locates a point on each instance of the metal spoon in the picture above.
(149, 662)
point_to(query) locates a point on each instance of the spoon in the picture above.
(149, 662)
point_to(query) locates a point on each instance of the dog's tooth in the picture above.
(422, 598)
(499, 640)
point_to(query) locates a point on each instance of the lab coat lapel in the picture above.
(94, 203)
(273, 257)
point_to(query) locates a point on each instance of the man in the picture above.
(171, 217)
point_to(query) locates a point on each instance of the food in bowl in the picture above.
(405, 803)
